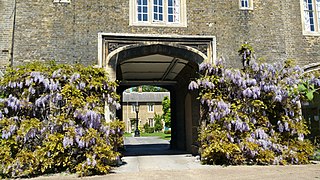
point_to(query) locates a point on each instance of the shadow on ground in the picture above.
(150, 149)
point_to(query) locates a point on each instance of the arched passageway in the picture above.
(165, 62)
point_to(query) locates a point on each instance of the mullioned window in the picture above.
(158, 13)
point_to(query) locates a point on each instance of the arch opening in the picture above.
(168, 67)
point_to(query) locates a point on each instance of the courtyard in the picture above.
(150, 158)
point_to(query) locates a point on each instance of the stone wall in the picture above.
(6, 24)
(67, 32)
(144, 114)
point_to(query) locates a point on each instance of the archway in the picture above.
(165, 62)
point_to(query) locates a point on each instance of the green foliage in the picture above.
(147, 128)
(147, 88)
(246, 53)
(52, 120)
(158, 126)
(166, 111)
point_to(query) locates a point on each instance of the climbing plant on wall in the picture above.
(253, 116)
(52, 120)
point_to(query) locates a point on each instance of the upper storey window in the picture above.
(311, 17)
(61, 1)
(158, 13)
(246, 4)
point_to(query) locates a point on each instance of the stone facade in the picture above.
(68, 32)
(6, 28)
(145, 115)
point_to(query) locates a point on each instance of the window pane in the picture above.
(173, 10)
(145, 17)
(139, 17)
(145, 9)
(157, 10)
(309, 13)
(139, 9)
(145, 2)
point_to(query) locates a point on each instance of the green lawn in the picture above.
(157, 134)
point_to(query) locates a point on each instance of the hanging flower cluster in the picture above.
(52, 119)
(253, 116)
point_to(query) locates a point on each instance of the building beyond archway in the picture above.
(165, 61)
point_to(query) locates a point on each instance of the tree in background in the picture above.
(166, 111)
(158, 126)
(146, 88)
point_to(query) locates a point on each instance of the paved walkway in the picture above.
(149, 158)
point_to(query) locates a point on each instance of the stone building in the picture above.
(159, 42)
(150, 103)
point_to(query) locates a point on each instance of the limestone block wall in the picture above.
(68, 32)
(6, 24)
(144, 114)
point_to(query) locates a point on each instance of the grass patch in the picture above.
(155, 134)
(316, 155)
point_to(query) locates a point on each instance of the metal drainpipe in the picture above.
(13, 30)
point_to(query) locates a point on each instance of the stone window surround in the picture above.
(133, 16)
(246, 8)
(304, 31)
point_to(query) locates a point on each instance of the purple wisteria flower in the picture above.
(67, 141)
(6, 134)
(193, 85)
(280, 126)
(261, 134)
(74, 77)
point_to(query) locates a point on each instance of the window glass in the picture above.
(158, 13)
(173, 10)
(157, 10)
(142, 8)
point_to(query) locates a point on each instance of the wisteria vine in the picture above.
(253, 116)
(52, 119)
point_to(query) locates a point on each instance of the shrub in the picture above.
(158, 125)
(167, 131)
(253, 116)
(52, 120)
(147, 128)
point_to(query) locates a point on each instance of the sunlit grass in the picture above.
(155, 134)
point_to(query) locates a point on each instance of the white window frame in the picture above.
(133, 108)
(249, 4)
(150, 107)
(151, 122)
(181, 15)
(306, 28)
(62, 1)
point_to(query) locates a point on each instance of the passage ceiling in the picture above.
(152, 68)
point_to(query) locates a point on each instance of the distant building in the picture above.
(150, 103)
